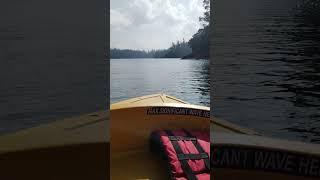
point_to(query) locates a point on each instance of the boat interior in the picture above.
(132, 125)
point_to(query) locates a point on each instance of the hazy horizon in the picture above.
(153, 24)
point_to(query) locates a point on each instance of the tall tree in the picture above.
(200, 41)
(205, 19)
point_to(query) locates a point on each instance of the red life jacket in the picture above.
(187, 153)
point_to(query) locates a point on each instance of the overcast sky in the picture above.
(153, 24)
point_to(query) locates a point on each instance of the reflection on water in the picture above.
(185, 79)
(267, 67)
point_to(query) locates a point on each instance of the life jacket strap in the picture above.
(192, 156)
(184, 162)
(182, 138)
(200, 150)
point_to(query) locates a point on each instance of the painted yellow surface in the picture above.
(78, 147)
(139, 164)
(72, 148)
(219, 125)
(131, 127)
(154, 100)
(83, 129)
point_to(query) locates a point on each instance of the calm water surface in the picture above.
(188, 80)
(51, 64)
(266, 71)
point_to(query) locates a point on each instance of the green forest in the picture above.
(196, 48)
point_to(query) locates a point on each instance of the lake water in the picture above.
(188, 80)
(266, 75)
(52, 65)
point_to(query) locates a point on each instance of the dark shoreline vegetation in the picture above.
(310, 10)
(196, 48)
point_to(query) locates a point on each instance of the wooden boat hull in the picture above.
(235, 151)
(131, 127)
(72, 148)
(132, 124)
(239, 153)
(78, 147)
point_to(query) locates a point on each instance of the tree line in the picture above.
(310, 10)
(177, 50)
(196, 48)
